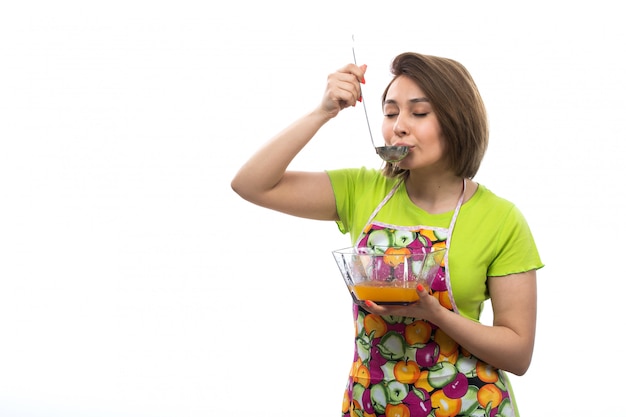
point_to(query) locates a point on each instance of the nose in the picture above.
(399, 127)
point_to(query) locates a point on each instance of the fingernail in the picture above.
(368, 303)
(420, 287)
(360, 99)
(363, 80)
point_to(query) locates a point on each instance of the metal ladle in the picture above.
(387, 153)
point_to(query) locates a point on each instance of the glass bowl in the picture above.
(388, 275)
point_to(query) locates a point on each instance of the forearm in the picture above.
(265, 169)
(497, 345)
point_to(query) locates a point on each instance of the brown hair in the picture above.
(456, 102)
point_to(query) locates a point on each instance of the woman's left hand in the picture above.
(423, 309)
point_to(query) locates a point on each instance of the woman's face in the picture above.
(410, 121)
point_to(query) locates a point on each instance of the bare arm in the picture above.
(509, 343)
(264, 178)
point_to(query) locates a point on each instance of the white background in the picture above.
(134, 282)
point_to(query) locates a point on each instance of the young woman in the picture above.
(432, 357)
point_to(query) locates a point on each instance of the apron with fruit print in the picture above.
(406, 367)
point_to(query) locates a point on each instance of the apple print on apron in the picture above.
(406, 367)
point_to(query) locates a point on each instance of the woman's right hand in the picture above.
(343, 89)
(265, 179)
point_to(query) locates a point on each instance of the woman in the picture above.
(433, 107)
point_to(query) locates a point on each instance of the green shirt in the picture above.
(490, 238)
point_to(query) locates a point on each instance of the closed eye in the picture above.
(392, 115)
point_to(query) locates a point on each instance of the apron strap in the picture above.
(451, 228)
(382, 203)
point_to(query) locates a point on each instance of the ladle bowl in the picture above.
(392, 153)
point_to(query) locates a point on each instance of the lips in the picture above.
(403, 144)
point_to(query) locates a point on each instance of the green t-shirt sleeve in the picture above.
(516, 248)
(357, 192)
(342, 184)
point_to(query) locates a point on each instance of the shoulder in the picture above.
(362, 173)
(359, 180)
(492, 228)
(488, 211)
(484, 199)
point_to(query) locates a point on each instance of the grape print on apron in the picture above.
(406, 367)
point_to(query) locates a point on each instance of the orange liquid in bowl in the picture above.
(381, 292)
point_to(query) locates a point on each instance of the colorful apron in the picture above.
(406, 367)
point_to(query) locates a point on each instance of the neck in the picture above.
(437, 194)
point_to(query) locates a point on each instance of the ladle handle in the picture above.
(367, 120)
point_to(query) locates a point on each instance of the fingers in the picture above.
(418, 309)
(344, 84)
(361, 77)
(343, 89)
(393, 310)
(374, 308)
(357, 71)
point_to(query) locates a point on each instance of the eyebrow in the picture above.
(413, 100)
